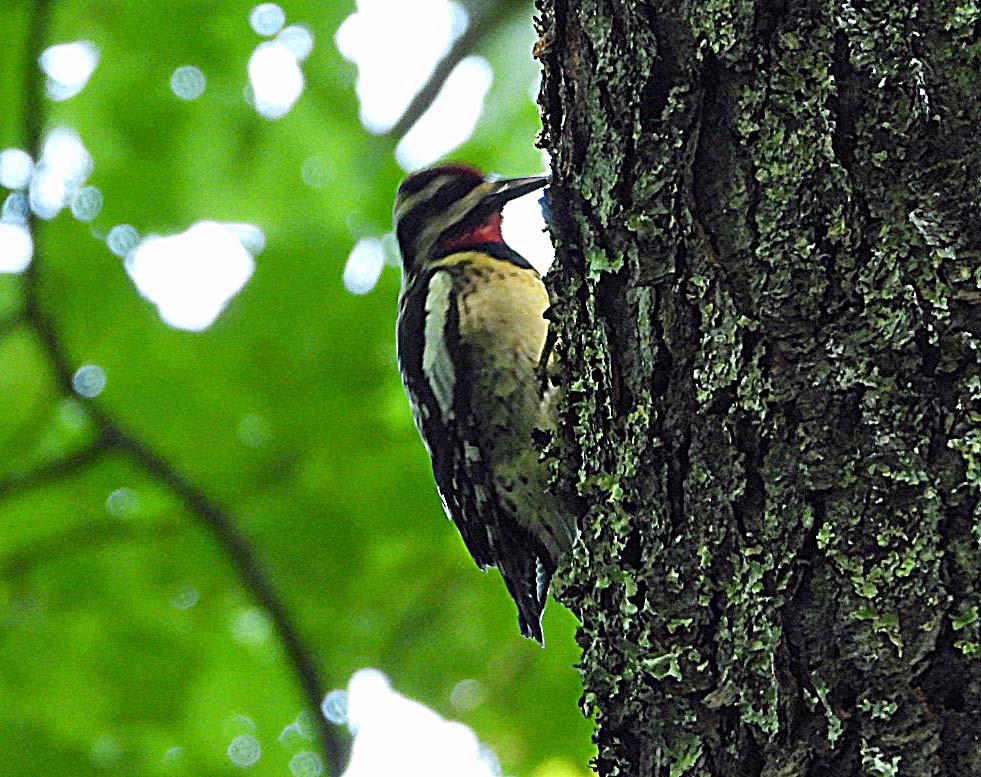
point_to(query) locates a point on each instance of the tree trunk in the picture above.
(769, 321)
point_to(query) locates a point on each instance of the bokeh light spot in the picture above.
(306, 764)
(251, 627)
(252, 238)
(87, 204)
(244, 751)
(188, 82)
(66, 155)
(298, 38)
(267, 18)
(240, 722)
(254, 431)
(49, 193)
(89, 381)
(467, 695)
(174, 757)
(314, 172)
(72, 414)
(396, 735)
(193, 275)
(276, 79)
(106, 752)
(64, 166)
(122, 239)
(301, 730)
(68, 67)
(123, 503)
(334, 707)
(16, 209)
(16, 167)
(185, 598)
(364, 265)
(16, 247)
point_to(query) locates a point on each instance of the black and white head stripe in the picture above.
(421, 179)
(432, 202)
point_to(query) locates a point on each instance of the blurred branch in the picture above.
(10, 323)
(51, 471)
(240, 552)
(222, 525)
(485, 19)
(40, 17)
(250, 571)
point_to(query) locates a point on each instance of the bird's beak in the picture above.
(511, 188)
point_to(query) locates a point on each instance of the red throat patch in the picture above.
(488, 232)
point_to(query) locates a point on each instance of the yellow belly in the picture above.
(502, 306)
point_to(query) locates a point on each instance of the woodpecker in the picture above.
(471, 335)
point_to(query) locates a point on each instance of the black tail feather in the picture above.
(527, 582)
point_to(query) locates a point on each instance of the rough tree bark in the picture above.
(769, 274)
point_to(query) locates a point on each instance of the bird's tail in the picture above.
(527, 581)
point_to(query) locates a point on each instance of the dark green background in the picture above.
(99, 672)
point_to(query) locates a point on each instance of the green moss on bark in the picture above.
(770, 283)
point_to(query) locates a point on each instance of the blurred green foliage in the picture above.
(124, 630)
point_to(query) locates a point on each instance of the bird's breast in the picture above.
(502, 309)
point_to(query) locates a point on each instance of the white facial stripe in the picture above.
(410, 202)
(454, 214)
(437, 365)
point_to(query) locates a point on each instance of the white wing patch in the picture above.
(437, 364)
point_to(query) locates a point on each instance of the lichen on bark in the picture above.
(769, 319)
